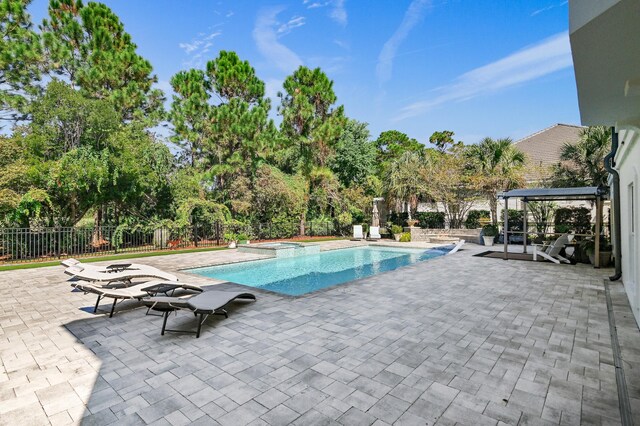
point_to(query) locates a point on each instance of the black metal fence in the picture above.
(19, 245)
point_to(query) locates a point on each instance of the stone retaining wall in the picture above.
(427, 234)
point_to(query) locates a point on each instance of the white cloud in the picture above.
(339, 13)
(295, 22)
(190, 47)
(544, 9)
(196, 48)
(412, 17)
(272, 87)
(533, 62)
(266, 38)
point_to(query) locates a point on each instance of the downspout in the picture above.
(609, 162)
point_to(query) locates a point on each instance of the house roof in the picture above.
(543, 148)
(542, 194)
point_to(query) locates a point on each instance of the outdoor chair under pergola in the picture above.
(588, 193)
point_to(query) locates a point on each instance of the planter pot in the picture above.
(488, 240)
(232, 244)
(243, 242)
(605, 259)
(397, 237)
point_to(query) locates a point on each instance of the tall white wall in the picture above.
(628, 165)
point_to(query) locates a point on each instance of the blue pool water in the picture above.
(295, 276)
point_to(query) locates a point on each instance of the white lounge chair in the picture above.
(552, 251)
(138, 291)
(457, 247)
(116, 272)
(357, 233)
(374, 233)
(112, 267)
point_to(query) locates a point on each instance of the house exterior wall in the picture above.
(628, 165)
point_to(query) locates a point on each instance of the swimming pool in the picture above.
(299, 275)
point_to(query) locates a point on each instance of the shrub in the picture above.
(430, 220)
(577, 219)
(405, 238)
(396, 229)
(490, 230)
(473, 218)
(516, 220)
(398, 218)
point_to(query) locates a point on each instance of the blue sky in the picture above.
(498, 68)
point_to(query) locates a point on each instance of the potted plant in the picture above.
(243, 238)
(489, 233)
(405, 237)
(589, 247)
(396, 231)
(231, 238)
(412, 222)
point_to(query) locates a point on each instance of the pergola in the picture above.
(589, 193)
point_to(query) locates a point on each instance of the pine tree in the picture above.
(20, 59)
(89, 46)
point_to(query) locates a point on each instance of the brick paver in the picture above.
(458, 339)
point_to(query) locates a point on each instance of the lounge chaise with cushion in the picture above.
(357, 233)
(138, 291)
(211, 302)
(116, 272)
(374, 233)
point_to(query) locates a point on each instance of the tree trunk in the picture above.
(493, 205)
(97, 227)
(302, 223)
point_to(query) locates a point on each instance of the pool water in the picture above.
(295, 276)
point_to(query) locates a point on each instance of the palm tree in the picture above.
(498, 164)
(404, 181)
(583, 162)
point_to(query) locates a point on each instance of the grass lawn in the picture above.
(36, 264)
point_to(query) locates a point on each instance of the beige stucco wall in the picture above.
(628, 165)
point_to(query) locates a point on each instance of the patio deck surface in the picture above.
(458, 339)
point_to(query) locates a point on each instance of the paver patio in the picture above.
(457, 339)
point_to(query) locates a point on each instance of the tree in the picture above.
(78, 153)
(443, 140)
(20, 59)
(220, 118)
(405, 181)
(190, 112)
(582, 164)
(310, 123)
(499, 167)
(451, 184)
(355, 155)
(391, 144)
(89, 46)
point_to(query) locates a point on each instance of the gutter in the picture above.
(609, 163)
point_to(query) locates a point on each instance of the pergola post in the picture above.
(596, 262)
(505, 228)
(525, 225)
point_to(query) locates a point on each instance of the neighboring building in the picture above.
(543, 149)
(605, 43)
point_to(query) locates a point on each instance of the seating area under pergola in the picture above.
(588, 193)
